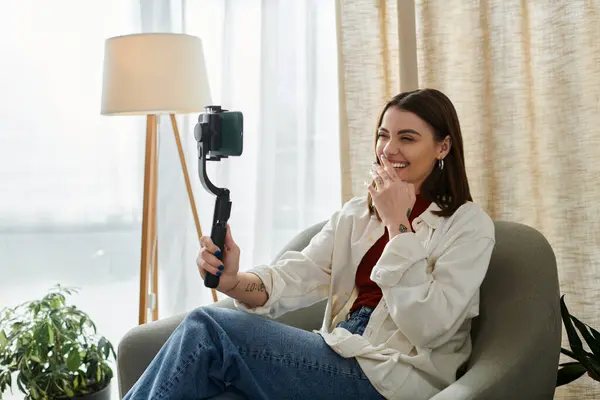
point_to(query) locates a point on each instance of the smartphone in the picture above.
(225, 129)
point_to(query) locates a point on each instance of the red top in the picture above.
(369, 293)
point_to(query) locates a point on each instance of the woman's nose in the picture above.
(390, 149)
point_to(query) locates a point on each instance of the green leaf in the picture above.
(589, 338)
(67, 389)
(81, 379)
(41, 334)
(568, 363)
(3, 339)
(104, 347)
(574, 340)
(83, 354)
(73, 361)
(67, 348)
(569, 373)
(108, 372)
(99, 374)
(9, 379)
(50, 333)
(595, 370)
(92, 370)
(595, 333)
(34, 392)
(112, 350)
(569, 353)
(43, 394)
(20, 383)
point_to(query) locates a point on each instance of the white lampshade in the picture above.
(154, 73)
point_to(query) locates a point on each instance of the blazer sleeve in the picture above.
(430, 299)
(299, 278)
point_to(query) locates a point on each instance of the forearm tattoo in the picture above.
(255, 287)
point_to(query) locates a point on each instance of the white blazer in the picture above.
(430, 279)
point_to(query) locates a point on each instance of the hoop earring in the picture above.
(441, 164)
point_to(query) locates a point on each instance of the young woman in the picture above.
(401, 268)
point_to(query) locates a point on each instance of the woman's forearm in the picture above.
(249, 290)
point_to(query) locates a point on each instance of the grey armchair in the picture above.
(516, 338)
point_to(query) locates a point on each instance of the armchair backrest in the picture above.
(517, 336)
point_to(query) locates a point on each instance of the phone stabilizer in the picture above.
(219, 135)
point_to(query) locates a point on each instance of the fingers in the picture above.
(229, 242)
(208, 262)
(211, 269)
(207, 243)
(381, 176)
(371, 189)
(379, 183)
(208, 258)
(388, 168)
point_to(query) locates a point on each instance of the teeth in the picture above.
(399, 165)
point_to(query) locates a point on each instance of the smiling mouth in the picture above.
(400, 165)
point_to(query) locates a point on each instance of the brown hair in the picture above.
(447, 187)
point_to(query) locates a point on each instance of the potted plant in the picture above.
(587, 359)
(54, 350)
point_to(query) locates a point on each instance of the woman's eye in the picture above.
(379, 135)
(408, 139)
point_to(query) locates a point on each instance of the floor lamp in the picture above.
(155, 74)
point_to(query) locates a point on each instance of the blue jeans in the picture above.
(357, 321)
(216, 350)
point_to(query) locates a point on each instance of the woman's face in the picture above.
(409, 143)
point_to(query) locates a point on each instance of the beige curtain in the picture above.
(369, 52)
(525, 78)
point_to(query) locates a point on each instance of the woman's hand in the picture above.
(228, 269)
(393, 198)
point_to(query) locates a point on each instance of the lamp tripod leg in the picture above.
(148, 215)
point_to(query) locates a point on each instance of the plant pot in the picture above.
(103, 394)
